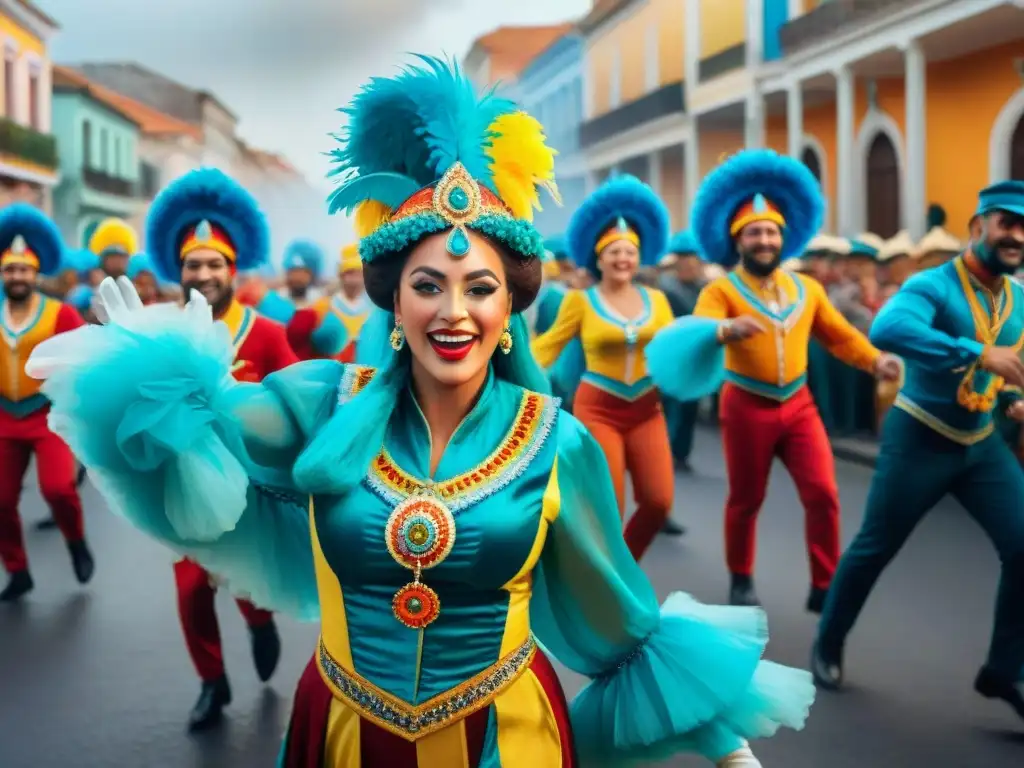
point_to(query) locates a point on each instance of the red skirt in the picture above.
(526, 726)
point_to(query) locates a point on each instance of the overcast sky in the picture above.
(283, 66)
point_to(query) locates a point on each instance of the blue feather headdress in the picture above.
(304, 254)
(205, 195)
(424, 153)
(29, 236)
(139, 263)
(760, 176)
(683, 244)
(624, 198)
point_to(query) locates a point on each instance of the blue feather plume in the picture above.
(139, 263)
(557, 246)
(205, 193)
(416, 125)
(622, 196)
(783, 180)
(304, 253)
(40, 234)
(683, 243)
(391, 189)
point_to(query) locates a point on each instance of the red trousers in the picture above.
(199, 618)
(756, 430)
(634, 438)
(56, 469)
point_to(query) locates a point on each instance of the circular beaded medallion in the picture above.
(416, 605)
(420, 532)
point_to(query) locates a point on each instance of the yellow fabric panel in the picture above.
(14, 384)
(527, 729)
(446, 748)
(334, 624)
(341, 742)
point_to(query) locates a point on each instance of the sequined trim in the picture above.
(961, 436)
(355, 378)
(529, 430)
(414, 722)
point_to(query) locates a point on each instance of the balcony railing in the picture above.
(830, 19)
(28, 144)
(101, 182)
(667, 100)
(732, 58)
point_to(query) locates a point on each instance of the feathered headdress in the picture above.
(558, 248)
(29, 236)
(139, 263)
(773, 186)
(629, 207)
(206, 206)
(683, 243)
(304, 254)
(424, 153)
(114, 237)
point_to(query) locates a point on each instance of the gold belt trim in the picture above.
(413, 722)
(961, 436)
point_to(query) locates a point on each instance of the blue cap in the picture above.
(1002, 196)
(862, 249)
(683, 244)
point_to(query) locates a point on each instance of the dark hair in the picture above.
(524, 276)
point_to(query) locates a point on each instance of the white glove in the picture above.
(117, 305)
(741, 758)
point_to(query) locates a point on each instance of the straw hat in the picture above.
(938, 240)
(870, 238)
(900, 244)
(668, 260)
(823, 243)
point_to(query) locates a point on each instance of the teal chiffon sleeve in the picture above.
(189, 456)
(685, 359)
(680, 677)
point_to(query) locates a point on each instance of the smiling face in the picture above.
(618, 262)
(453, 311)
(1001, 241)
(760, 247)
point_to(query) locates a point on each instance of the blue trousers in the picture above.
(916, 468)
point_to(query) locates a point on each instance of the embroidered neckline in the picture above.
(343, 306)
(785, 318)
(12, 336)
(522, 442)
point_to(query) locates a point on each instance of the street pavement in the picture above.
(99, 678)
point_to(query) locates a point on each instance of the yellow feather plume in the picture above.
(521, 163)
(114, 233)
(369, 216)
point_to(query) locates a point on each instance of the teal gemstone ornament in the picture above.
(760, 204)
(458, 242)
(458, 199)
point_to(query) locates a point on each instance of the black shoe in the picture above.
(213, 697)
(816, 600)
(672, 528)
(827, 668)
(46, 525)
(19, 585)
(683, 465)
(742, 591)
(266, 649)
(81, 561)
(991, 686)
(80, 479)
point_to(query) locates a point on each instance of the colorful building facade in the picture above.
(28, 150)
(551, 89)
(99, 162)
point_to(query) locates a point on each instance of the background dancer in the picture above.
(31, 245)
(618, 228)
(758, 208)
(960, 328)
(201, 230)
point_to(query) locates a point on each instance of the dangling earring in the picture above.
(505, 341)
(397, 336)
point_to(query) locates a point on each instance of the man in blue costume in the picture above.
(959, 328)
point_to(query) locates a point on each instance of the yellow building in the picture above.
(911, 104)
(28, 151)
(895, 105)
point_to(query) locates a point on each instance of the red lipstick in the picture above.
(451, 346)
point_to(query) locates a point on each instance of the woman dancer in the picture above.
(435, 514)
(620, 227)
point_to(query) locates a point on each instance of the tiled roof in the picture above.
(512, 48)
(600, 11)
(151, 122)
(35, 11)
